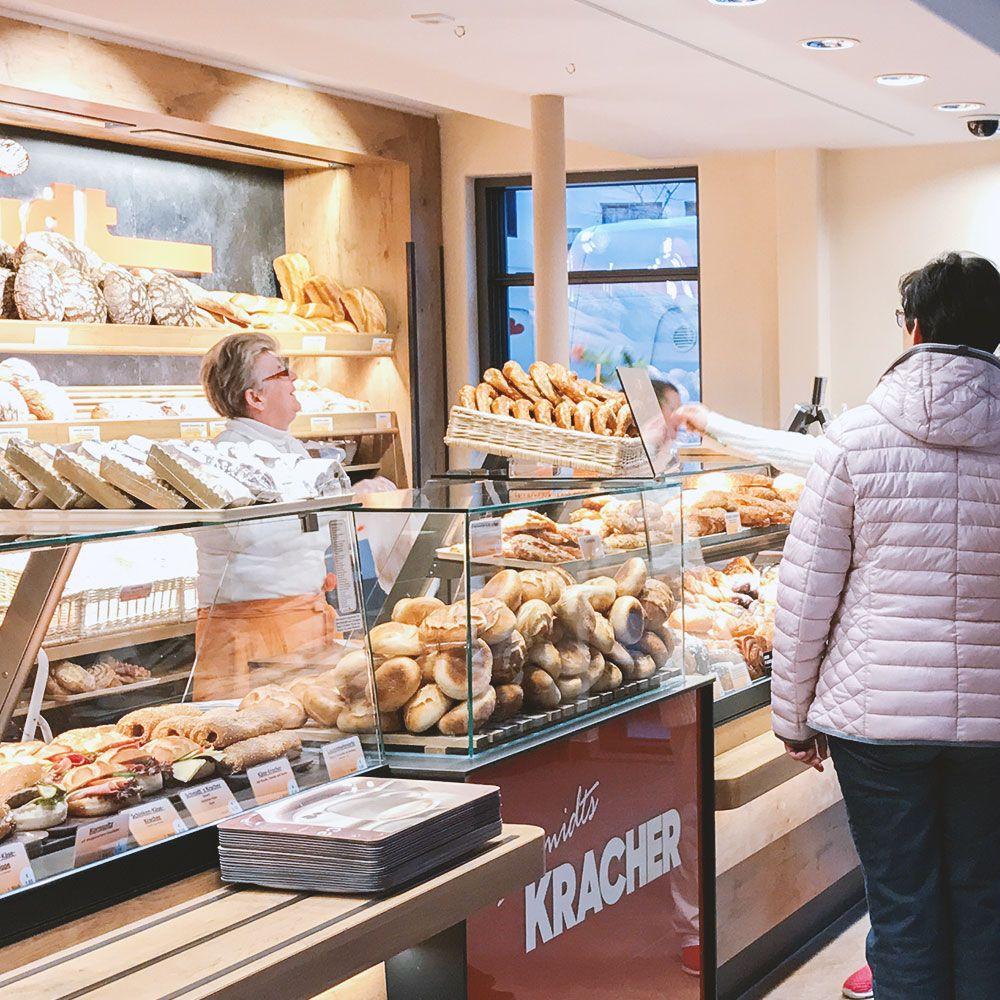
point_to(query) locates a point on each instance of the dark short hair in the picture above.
(956, 298)
(661, 387)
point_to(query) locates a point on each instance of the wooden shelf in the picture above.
(28, 337)
(747, 771)
(74, 699)
(316, 425)
(118, 640)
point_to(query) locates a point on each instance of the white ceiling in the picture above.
(655, 78)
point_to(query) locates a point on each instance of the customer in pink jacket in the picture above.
(887, 637)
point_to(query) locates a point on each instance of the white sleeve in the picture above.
(785, 450)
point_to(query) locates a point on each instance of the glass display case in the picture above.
(158, 677)
(511, 610)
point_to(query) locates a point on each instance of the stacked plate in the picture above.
(360, 835)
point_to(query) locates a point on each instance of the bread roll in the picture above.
(631, 577)
(279, 700)
(574, 657)
(323, 704)
(500, 620)
(350, 677)
(508, 658)
(413, 610)
(628, 620)
(425, 709)
(348, 722)
(394, 639)
(510, 701)
(456, 722)
(143, 721)
(449, 626)
(570, 688)
(546, 656)
(505, 586)
(451, 670)
(534, 620)
(396, 682)
(540, 690)
(576, 613)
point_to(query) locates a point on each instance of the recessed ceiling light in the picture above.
(901, 79)
(828, 44)
(737, 3)
(960, 106)
(435, 17)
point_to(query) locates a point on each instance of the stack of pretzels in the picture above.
(553, 395)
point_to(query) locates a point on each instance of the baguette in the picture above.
(143, 721)
(259, 750)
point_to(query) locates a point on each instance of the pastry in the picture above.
(47, 401)
(169, 300)
(519, 379)
(126, 298)
(425, 709)
(73, 679)
(457, 723)
(530, 548)
(495, 378)
(485, 394)
(139, 481)
(610, 680)
(516, 522)
(545, 584)
(38, 291)
(467, 397)
(567, 383)
(545, 655)
(279, 700)
(292, 271)
(396, 682)
(539, 373)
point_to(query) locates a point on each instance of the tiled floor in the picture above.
(821, 977)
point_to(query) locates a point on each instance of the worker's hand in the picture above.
(812, 755)
(689, 417)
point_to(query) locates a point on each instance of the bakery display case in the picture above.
(160, 676)
(510, 612)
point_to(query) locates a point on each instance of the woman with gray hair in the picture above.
(261, 587)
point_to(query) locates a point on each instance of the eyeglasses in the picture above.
(900, 318)
(285, 372)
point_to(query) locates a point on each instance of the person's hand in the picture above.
(689, 417)
(812, 755)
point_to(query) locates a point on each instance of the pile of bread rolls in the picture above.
(553, 395)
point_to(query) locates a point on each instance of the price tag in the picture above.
(155, 821)
(383, 421)
(90, 432)
(216, 427)
(765, 660)
(14, 432)
(135, 592)
(15, 868)
(591, 546)
(520, 469)
(194, 430)
(210, 802)
(101, 839)
(485, 537)
(522, 496)
(321, 425)
(51, 336)
(314, 343)
(342, 547)
(343, 757)
(381, 345)
(273, 780)
(733, 523)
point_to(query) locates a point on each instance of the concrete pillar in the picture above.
(548, 181)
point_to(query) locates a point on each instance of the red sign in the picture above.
(619, 900)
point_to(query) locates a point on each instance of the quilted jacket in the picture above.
(888, 620)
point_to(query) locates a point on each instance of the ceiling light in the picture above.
(901, 79)
(828, 44)
(960, 106)
(436, 17)
(31, 113)
(737, 3)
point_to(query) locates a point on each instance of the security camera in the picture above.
(984, 128)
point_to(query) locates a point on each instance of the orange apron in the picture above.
(229, 636)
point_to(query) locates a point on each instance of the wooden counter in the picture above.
(233, 942)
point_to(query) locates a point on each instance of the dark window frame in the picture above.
(492, 282)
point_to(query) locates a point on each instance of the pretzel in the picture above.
(623, 420)
(522, 409)
(597, 391)
(467, 397)
(539, 373)
(583, 415)
(604, 417)
(484, 396)
(517, 376)
(567, 383)
(543, 411)
(494, 377)
(564, 414)
(503, 406)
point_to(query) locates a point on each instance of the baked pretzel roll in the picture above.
(467, 397)
(539, 373)
(583, 416)
(604, 419)
(503, 406)
(543, 412)
(564, 415)
(495, 378)
(623, 420)
(523, 409)
(518, 378)
(485, 394)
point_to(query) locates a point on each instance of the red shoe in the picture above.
(691, 960)
(859, 985)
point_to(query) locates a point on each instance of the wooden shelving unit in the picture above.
(118, 640)
(29, 337)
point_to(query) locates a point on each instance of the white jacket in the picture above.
(252, 561)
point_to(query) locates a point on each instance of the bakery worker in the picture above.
(261, 586)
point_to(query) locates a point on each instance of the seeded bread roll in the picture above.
(237, 757)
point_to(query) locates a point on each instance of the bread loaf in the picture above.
(47, 401)
(8, 304)
(81, 298)
(170, 300)
(292, 270)
(126, 297)
(323, 289)
(38, 291)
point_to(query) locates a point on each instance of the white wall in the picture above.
(738, 257)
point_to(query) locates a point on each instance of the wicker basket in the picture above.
(545, 443)
(112, 610)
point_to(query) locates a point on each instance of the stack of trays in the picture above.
(361, 835)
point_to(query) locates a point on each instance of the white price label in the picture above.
(314, 343)
(321, 425)
(381, 345)
(591, 546)
(90, 432)
(51, 336)
(101, 839)
(194, 430)
(210, 802)
(383, 421)
(526, 496)
(20, 433)
(155, 821)
(216, 427)
(273, 780)
(485, 537)
(343, 567)
(343, 757)
(15, 868)
(733, 523)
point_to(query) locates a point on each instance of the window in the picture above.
(632, 253)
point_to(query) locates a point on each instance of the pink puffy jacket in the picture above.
(888, 621)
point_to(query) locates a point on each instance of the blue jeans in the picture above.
(926, 824)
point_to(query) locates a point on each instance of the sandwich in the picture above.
(18, 775)
(146, 770)
(95, 739)
(100, 789)
(6, 821)
(182, 759)
(39, 807)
